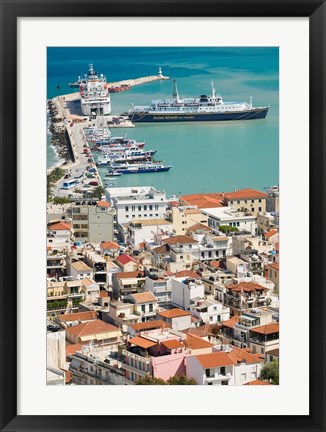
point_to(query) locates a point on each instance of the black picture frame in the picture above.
(10, 11)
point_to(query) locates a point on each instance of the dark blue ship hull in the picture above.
(143, 170)
(253, 114)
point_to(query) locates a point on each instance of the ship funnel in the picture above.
(175, 93)
(213, 89)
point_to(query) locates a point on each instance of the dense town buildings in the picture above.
(142, 286)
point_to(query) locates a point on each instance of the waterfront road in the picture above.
(77, 170)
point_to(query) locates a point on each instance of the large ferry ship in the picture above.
(202, 108)
(94, 94)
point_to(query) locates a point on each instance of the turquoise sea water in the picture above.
(205, 157)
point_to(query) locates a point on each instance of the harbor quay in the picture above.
(72, 113)
(76, 171)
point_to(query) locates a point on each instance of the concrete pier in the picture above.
(138, 81)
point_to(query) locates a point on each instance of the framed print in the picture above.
(171, 275)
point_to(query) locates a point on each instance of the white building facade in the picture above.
(143, 202)
(226, 216)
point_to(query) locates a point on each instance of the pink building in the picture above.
(159, 353)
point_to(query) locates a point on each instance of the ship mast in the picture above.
(175, 93)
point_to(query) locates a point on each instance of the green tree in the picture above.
(226, 229)
(148, 380)
(98, 192)
(175, 380)
(61, 200)
(182, 380)
(270, 372)
(55, 175)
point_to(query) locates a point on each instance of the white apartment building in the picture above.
(210, 311)
(143, 202)
(161, 287)
(226, 216)
(229, 367)
(184, 291)
(147, 230)
(96, 366)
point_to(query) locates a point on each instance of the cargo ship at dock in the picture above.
(202, 108)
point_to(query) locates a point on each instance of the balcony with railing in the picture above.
(55, 264)
(218, 377)
(264, 339)
(160, 289)
(185, 249)
(74, 294)
(133, 360)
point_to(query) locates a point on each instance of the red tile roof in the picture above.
(246, 287)
(198, 226)
(179, 239)
(258, 382)
(145, 297)
(91, 327)
(195, 342)
(223, 358)
(201, 331)
(231, 322)
(275, 266)
(143, 343)
(149, 325)
(104, 204)
(188, 274)
(161, 249)
(124, 259)
(215, 359)
(266, 329)
(216, 264)
(173, 313)
(79, 316)
(172, 343)
(127, 275)
(207, 200)
(104, 293)
(109, 245)
(72, 349)
(245, 194)
(270, 233)
(60, 226)
(239, 355)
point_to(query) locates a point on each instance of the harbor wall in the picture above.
(70, 146)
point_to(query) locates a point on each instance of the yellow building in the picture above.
(250, 200)
(184, 217)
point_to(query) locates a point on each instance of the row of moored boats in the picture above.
(122, 155)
